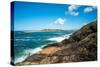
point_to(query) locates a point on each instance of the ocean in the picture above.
(28, 43)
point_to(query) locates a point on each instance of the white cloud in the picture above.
(60, 21)
(72, 10)
(89, 9)
(74, 13)
(73, 7)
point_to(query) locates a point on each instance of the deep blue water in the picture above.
(29, 43)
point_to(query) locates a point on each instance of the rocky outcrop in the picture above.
(81, 46)
(83, 32)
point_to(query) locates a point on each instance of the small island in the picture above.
(56, 30)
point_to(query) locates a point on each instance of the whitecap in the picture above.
(59, 39)
(22, 39)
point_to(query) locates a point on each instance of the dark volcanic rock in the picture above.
(86, 50)
(54, 45)
(83, 32)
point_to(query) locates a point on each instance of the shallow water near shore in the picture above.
(26, 44)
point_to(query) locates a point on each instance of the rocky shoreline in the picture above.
(81, 46)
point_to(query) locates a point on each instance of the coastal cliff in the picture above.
(81, 46)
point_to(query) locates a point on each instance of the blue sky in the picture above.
(37, 16)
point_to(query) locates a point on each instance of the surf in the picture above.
(60, 38)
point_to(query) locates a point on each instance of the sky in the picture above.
(37, 16)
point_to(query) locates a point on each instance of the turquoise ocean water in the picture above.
(27, 43)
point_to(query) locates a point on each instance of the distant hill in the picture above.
(56, 30)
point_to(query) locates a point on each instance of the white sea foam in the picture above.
(22, 39)
(28, 53)
(22, 58)
(59, 39)
(27, 39)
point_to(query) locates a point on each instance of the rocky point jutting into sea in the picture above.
(81, 46)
